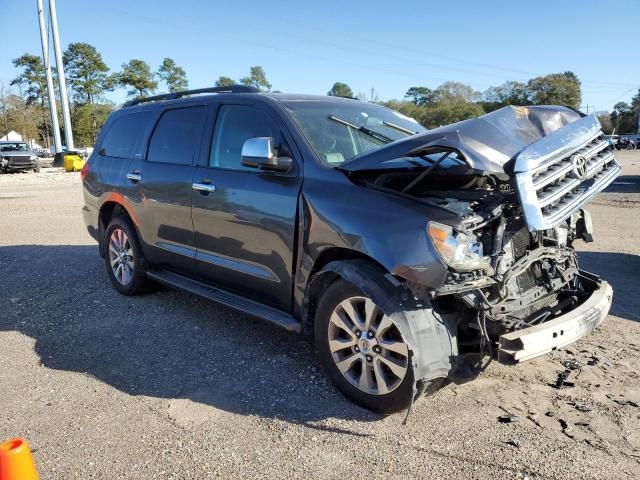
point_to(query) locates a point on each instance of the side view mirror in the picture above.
(260, 153)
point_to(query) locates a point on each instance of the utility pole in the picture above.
(66, 118)
(50, 90)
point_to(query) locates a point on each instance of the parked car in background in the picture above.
(407, 254)
(17, 156)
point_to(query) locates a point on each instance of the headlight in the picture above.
(458, 250)
(33, 157)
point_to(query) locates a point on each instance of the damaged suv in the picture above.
(408, 254)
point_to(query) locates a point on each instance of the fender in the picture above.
(431, 338)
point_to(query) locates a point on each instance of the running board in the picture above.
(228, 299)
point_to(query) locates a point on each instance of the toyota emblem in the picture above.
(579, 166)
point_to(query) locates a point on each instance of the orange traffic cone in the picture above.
(16, 462)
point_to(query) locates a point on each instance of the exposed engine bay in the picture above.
(525, 278)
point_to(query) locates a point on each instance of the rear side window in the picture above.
(235, 125)
(175, 138)
(122, 136)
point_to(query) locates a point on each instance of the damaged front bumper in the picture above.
(532, 342)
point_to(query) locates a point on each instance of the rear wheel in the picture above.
(124, 260)
(362, 350)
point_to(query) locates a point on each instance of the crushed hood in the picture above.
(487, 142)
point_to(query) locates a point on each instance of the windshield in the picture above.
(338, 131)
(14, 147)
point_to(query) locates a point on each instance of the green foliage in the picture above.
(340, 89)
(257, 79)
(624, 116)
(420, 96)
(509, 93)
(605, 121)
(32, 80)
(225, 81)
(86, 120)
(555, 89)
(87, 72)
(137, 75)
(173, 76)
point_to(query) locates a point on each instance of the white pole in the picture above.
(66, 118)
(50, 90)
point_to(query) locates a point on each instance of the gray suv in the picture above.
(409, 255)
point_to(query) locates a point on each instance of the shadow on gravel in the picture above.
(165, 344)
(622, 271)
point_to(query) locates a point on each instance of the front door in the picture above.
(163, 183)
(245, 223)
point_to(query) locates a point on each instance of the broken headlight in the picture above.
(461, 251)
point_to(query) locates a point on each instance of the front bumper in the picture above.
(18, 164)
(534, 341)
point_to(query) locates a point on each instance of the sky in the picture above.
(305, 47)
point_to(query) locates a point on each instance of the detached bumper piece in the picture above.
(532, 342)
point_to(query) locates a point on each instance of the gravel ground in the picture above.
(170, 386)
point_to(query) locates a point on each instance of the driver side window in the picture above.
(236, 124)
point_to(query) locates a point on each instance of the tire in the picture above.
(386, 391)
(124, 260)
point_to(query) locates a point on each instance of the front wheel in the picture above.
(362, 350)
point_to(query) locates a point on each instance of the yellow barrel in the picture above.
(73, 163)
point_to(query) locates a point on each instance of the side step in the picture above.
(231, 300)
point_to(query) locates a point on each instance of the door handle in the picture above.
(134, 177)
(204, 188)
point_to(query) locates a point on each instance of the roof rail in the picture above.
(184, 93)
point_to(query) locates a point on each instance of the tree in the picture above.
(225, 82)
(32, 84)
(340, 89)
(88, 78)
(509, 93)
(419, 96)
(4, 111)
(85, 118)
(87, 72)
(173, 76)
(555, 89)
(257, 79)
(371, 97)
(625, 116)
(137, 75)
(605, 120)
(454, 92)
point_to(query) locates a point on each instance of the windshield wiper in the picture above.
(399, 128)
(371, 133)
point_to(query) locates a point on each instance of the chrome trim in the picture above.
(134, 177)
(242, 266)
(548, 186)
(204, 187)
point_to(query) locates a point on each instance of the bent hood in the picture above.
(487, 142)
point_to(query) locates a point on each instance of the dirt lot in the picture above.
(170, 386)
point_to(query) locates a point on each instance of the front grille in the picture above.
(19, 160)
(582, 165)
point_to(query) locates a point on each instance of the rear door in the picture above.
(162, 179)
(245, 226)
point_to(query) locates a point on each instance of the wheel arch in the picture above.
(108, 210)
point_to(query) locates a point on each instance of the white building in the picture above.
(14, 136)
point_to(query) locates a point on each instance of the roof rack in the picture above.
(184, 93)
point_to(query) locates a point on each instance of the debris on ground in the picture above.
(514, 441)
(571, 364)
(561, 381)
(508, 418)
(582, 407)
(593, 360)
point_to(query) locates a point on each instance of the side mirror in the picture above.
(260, 153)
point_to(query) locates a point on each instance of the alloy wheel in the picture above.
(367, 347)
(121, 256)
